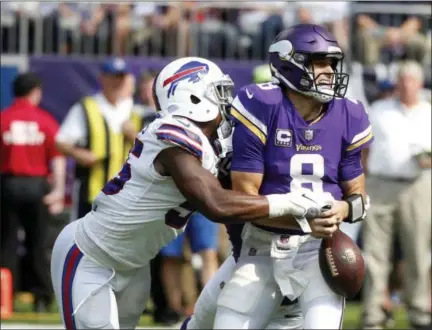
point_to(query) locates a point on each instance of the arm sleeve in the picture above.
(358, 135)
(250, 111)
(248, 151)
(350, 167)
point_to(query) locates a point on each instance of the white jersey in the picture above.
(139, 211)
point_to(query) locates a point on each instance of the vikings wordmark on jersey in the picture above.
(298, 154)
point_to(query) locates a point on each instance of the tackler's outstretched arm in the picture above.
(204, 191)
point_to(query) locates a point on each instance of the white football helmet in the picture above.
(195, 88)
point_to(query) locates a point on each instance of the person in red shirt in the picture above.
(27, 150)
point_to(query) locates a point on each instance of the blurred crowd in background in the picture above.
(376, 37)
(368, 32)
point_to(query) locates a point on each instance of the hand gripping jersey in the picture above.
(292, 153)
(139, 211)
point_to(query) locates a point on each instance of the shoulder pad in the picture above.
(354, 107)
(254, 105)
(180, 132)
(267, 93)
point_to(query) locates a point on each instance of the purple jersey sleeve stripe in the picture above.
(361, 143)
(250, 126)
(251, 156)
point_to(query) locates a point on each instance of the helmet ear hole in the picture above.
(194, 99)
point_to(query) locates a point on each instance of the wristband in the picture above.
(356, 207)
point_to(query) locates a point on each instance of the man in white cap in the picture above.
(399, 185)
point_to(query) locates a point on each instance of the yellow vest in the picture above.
(108, 146)
(137, 122)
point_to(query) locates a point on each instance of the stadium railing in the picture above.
(40, 34)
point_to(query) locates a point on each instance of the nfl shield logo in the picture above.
(309, 134)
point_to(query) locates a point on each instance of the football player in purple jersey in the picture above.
(100, 263)
(287, 317)
(298, 132)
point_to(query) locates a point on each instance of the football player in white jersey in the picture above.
(100, 263)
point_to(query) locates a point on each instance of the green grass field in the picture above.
(351, 319)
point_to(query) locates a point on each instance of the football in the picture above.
(342, 264)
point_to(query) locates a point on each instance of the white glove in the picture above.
(322, 201)
(300, 204)
(319, 202)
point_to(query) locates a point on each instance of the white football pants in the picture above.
(284, 317)
(269, 267)
(93, 297)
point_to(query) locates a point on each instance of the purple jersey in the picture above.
(270, 137)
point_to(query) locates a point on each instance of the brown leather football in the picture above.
(342, 264)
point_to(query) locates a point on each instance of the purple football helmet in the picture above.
(292, 53)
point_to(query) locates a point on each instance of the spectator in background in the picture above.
(122, 27)
(375, 90)
(140, 23)
(71, 18)
(383, 90)
(20, 18)
(96, 28)
(85, 28)
(14, 13)
(144, 109)
(92, 134)
(155, 28)
(27, 150)
(405, 40)
(261, 22)
(128, 89)
(332, 15)
(145, 106)
(203, 238)
(386, 90)
(399, 185)
(212, 30)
